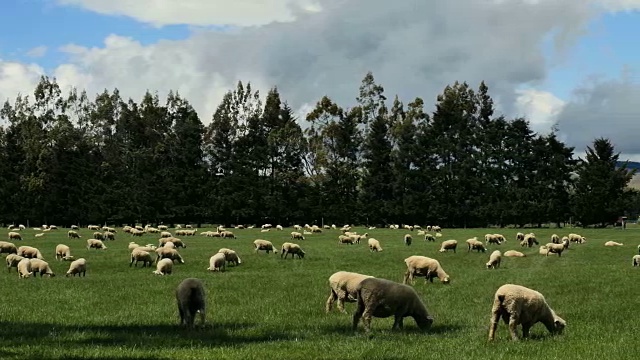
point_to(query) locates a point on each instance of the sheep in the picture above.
(555, 239)
(296, 235)
(374, 245)
(357, 238)
(8, 248)
(565, 241)
(24, 268)
(42, 267)
(77, 267)
(140, 255)
(613, 243)
(543, 250)
(519, 236)
(14, 236)
(162, 227)
(424, 266)
(448, 245)
(30, 252)
(73, 234)
(227, 234)
(164, 253)
(530, 239)
(305, 232)
(133, 245)
(474, 244)
(635, 261)
(638, 249)
(136, 232)
(12, 261)
(95, 244)
(231, 256)
(191, 300)
(165, 234)
(63, 252)
(169, 245)
(39, 235)
(344, 239)
(577, 238)
(518, 305)
(494, 260)
(382, 298)
(494, 239)
(513, 253)
(93, 227)
(429, 237)
(407, 239)
(293, 249)
(260, 244)
(109, 235)
(164, 267)
(342, 286)
(554, 248)
(217, 262)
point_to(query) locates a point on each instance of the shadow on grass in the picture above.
(140, 336)
(408, 329)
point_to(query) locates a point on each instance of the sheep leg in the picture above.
(366, 319)
(398, 323)
(357, 315)
(495, 319)
(525, 330)
(202, 315)
(407, 275)
(332, 297)
(513, 323)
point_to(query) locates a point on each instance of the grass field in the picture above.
(268, 308)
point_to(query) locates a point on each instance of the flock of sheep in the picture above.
(375, 297)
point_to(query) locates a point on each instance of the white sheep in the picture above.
(577, 238)
(424, 266)
(95, 244)
(518, 305)
(133, 245)
(73, 234)
(12, 261)
(293, 249)
(30, 252)
(140, 255)
(513, 253)
(217, 262)
(448, 245)
(494, 260)
(24, 268)
(635, 261)
(296, 235)
(164, 267)
(164, 253)
(554, 249)
(429, 237)
(475, 244)
(8, 248)
(14, 236)
(42, 267)
(260, 244)
(63, 252)
(613, 243)
(519, 236)
(343, 286)
(555, 239)
(374, 245)
(231, 256)
(408, 239)
(77, 267)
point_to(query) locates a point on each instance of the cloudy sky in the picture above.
(574, 62)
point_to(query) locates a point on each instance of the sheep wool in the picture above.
(513, 253)
(554, 249)
(164, 267)
(24, 268)
(374, 245)
(42, 267)
(494, 260)
(518, 305)
(12, 261)
(424, 266)
(191, 300)
(449, 245)
(382, 298)
(293, 249)
(217, 262)
(267, 246)
(342, 287)
(77, 267)
(8, 248)
(231, 256)
(613, 243)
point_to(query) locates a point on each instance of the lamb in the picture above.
(133, 245)
(555, 239)
(63, 252)
(77, 267)
(613, 243)
(24, 268)
(164, 267)
(429, 237)
(14, 236)
(191, 299)
(73, 234)
(12, 261)
(8, 248)
(293, 249)
(424, 266)
(554, 248)
(231, 256)
(513, 253)
(173, 254)
(518, 305)
(374, 245)
(296, 235)
(260, 244)
(140, 255)
(30, 252)
(519, 236)
(217, 262)
(382, 298)
(342, 286)
(474, 244)
(494, 260)
(95, 244)
(448, 245)
(543, 250)
(42, 267)
(530, 239)
(635, 261)
(407, 239)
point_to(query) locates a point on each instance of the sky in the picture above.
(572, 64)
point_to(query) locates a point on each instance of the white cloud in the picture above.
(17, 78)
(541, 108)
(201, 12)
(620, 5)
(37, 52)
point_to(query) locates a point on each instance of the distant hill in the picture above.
(630, 165)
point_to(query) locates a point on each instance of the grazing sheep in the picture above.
(178, 243)
(265, 245)
(93, 227)
(42, 267)
(77, 267)
(133, 245)
(613, 243)
(98, 235)
(231, 256)
(169, 245)
(530, 239)
(191, 299)
(518, 305)
(342, 286)
(164, 253)
(24, 268)
(345, 239)
(293, 249)
(519, 236)
(449, 245)
(165, 234)
(635, 261)
(474, 244)
(15, 236)
(374, 245)
(162, 227)
(296, 235)
(493, 239)
(12, 261)
(30, 252)
(164, 267)
(382, 298)
(429, 237)
(407, 239)
(577, 238)
(109, 235)
(494, 260)
(8, 248)
(140, 255)
(39, 235)
(63, 252)
(73, 234)
(555, 239)
(554, 248)
(543, 250)
(513, 253)
(227, 234)
(424, 266)
(95, 244)
(217, 262)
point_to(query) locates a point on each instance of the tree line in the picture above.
(68, 159)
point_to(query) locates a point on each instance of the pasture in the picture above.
(269, 308)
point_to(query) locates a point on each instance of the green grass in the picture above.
(268, 308)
